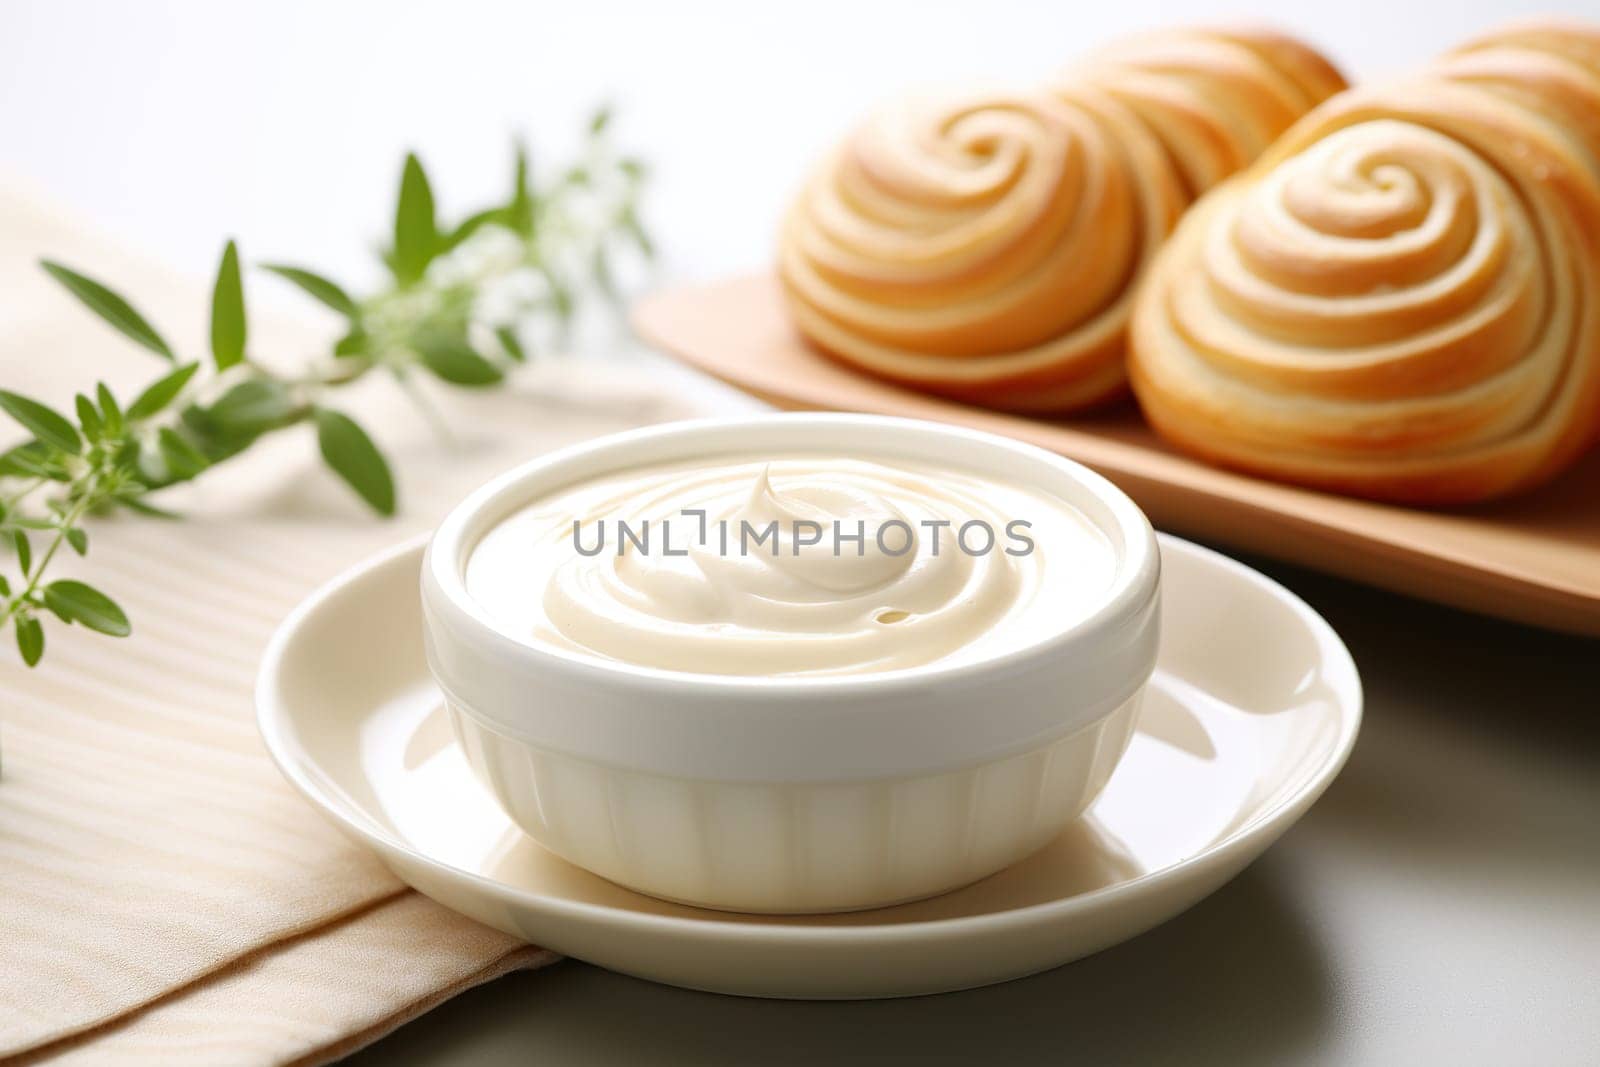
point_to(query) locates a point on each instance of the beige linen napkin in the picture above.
(164, 895)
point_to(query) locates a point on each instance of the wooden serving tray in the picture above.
(1535, 559)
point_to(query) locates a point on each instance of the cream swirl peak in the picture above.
(802, 565)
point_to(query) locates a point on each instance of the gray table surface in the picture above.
(1441, 903)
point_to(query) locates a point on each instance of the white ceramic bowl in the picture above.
(783, 794)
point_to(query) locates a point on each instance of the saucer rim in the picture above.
(1251, 837)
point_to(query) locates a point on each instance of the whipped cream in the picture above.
(797, 565)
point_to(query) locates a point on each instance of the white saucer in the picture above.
(1254, 707)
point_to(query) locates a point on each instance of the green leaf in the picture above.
(138, 506)
(253, 405)
(24, 551)
(78, 540)
(416, 236)
(471, 225)
(209, 438)
(316, 286)
(182, 459)
(352, 455)
(162, 392)
(509, 341)
(126, 456)
(5, 586)
(74, 601)
(519, 213)
(47, 425)
(35, 459)
(89, 417)
(228, 327)
(30, 639)
(353, 343)
(110, 412)
(109, 306)
(600, 120)
(450, 357)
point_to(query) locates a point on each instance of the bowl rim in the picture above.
(1135, 586)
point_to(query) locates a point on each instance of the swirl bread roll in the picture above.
(1401, 298)
(987, 247)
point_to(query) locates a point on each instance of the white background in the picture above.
(174, 125)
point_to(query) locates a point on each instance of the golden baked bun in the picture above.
(1215, 98)
(1401, 298)
(987, 247)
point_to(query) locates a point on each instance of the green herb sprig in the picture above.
(459, 303)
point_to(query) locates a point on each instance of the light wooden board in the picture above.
(1535, 559)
